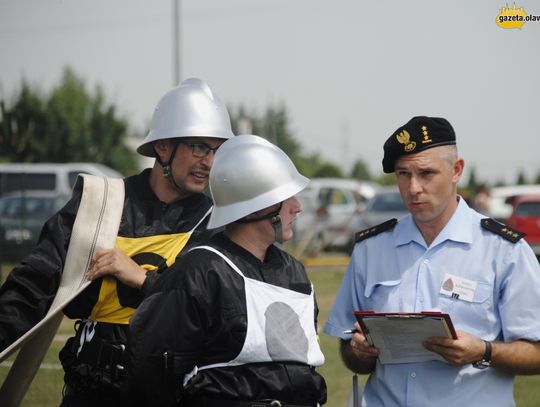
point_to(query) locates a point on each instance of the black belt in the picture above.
(103, 355)
(101, 395)
(207, 402)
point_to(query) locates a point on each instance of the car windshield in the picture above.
(29, 207)
(528, 209)
(387, 202)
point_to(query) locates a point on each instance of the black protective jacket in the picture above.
(196, 315)
(149, 228)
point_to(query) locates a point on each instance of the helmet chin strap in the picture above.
(276, 224)
(275, 220)
(167, 170)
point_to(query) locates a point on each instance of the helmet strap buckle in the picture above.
(275, 219)
(166, 170)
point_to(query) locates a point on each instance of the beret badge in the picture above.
(403, 137)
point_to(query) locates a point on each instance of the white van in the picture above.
(56, 177)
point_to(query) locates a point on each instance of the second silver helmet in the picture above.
(249, 174)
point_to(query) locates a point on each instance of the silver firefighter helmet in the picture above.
(189, 110)
(249, 174)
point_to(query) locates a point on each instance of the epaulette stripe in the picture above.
(375, 230)
(501, 229)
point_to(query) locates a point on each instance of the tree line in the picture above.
(72, 124)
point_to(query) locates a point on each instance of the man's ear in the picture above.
(162, 149)
(459, 166)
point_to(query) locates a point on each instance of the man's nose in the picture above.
(415, 186)
(208, 159)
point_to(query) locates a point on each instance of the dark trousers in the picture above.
(208, 402)
(73, 398)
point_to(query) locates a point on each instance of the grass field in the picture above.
(47, 386)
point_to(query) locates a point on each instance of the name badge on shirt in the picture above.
(458, 287)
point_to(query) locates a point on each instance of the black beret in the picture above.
(418, 134)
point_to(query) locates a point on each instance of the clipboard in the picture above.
(399, 336)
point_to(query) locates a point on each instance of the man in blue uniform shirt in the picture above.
(443, 256)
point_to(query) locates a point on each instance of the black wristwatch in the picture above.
(485, 362)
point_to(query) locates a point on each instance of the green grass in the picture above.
(338, 377)
(47, 386)
(46, 389)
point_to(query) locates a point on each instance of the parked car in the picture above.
(22, 215)
(330, 208)
(57, 177)
(385, 205)
(498, 206)
(525, 217)
(307, 238)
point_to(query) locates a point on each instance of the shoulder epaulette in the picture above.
(502, 230)
(375, 230)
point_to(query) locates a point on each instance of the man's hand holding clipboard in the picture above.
(401, 337)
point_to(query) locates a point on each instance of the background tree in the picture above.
(360, 171)
(68, 125)
(19, 126)
(327, 170)
(386, 179)
(274, 126)
(521, 178)
(472, 184)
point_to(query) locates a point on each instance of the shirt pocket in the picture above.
(382, 296)
(473, 313)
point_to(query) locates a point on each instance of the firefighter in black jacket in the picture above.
(164, 207)
(234, 322)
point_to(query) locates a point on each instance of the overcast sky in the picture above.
(349, 72)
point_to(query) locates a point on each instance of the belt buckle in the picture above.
(267, 403)
(110, 356)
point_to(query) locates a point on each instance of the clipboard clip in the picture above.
(405, 316)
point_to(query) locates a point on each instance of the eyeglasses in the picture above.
(200, 150)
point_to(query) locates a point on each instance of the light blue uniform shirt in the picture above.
(395, 271)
